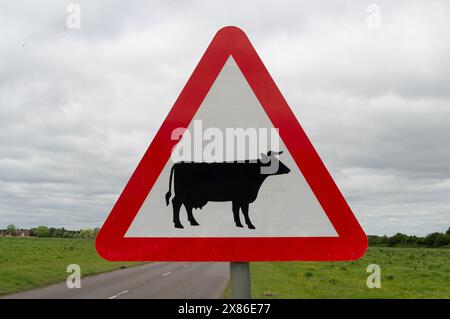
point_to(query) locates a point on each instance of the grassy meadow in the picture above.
(405, 273)
(27, 263)
(31, 262)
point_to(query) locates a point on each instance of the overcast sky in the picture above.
(79, 107)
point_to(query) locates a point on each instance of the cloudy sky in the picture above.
(369, 84)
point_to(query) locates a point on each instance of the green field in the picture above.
(405, 273)
(27, 263)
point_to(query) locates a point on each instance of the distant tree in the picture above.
(32, 232)
(448, 232)
(421, 241)
(436, 240)
(376, 240)
(67, 234)
(59, 232)
(412, 240)
(441, 240)
(88, 233)
(397, 239)
(51, 232)
(429, 239)
(84, 233)
(42, 231)
(384, 240)
(392, 242)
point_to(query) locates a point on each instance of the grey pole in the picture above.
(240, 280)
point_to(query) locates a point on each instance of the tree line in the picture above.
(398, 240)
(401, 240)
(44, 231)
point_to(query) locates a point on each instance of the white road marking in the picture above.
(167, 273)
(184, 266)
(120, 293)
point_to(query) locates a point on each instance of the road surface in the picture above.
(154, 280)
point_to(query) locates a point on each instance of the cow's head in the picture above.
(272, 165)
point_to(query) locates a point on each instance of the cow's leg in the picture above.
(244, 208)
(237, 220)
(190, 216)
(176, 204)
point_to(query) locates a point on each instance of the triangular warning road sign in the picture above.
(140, 227)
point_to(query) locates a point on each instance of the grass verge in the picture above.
(31, 262)
(405, 273)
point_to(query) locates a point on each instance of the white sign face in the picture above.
(285, 205)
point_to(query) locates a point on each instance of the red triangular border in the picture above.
(351, 243)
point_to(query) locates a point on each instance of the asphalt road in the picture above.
(154, 280)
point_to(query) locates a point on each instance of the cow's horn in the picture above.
(269, 153)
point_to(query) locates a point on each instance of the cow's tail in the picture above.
(168, 194)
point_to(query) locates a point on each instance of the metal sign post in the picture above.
(240, 280)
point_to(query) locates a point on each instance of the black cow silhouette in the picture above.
(195, 184)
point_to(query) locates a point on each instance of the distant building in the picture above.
(23, 232)
(15, 233)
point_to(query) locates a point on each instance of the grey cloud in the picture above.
(78, 108)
